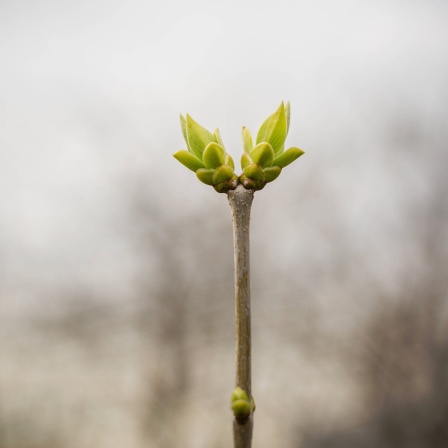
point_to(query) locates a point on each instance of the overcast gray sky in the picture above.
(91, 90)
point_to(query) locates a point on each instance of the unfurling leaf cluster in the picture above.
(206, 156)
(261, 163)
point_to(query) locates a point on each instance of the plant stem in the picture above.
(240, 201)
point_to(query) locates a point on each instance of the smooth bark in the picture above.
(240, 201)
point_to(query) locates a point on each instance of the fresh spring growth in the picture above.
(261, 163)
(206, 156)
(240, 404)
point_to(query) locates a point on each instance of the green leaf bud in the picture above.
(205, 176)
(222, 174)
(229, 161)
(287, 157)
(198, 137)
(274, 129)
(224, 187)
(214, 155)
(263, 154)
(245, 160)
(253, 171)
(239, 394)
(241, 409)
(189, 160)
(220, 188)
(260, 184)
(247, 183)
(247, 140)
(231, 184)
(272, 173)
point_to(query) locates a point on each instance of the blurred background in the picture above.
(116, 264)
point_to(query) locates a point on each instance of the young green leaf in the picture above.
(288, 116)
(253, 171)
(245, 160)
(189, 160)
(274, 129)
(214, 155)
(247, 140)
(229, 161)
(183, 125)
(205, 176)
(272, 173)
(222, 174)
(263, 154)
(218, 138)
(198, 137)
(287, 157)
